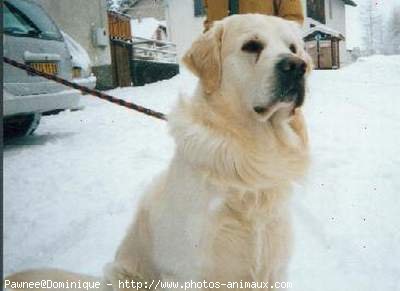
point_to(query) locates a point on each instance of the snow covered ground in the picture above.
(70, 190)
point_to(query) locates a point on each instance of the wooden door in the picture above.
(325, 55)
(121, 54)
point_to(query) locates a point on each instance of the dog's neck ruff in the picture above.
(250, 157)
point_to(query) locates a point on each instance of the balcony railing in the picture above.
(153, 50)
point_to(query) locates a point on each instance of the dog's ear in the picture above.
(204, 58)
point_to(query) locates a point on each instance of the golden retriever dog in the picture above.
(220, 212)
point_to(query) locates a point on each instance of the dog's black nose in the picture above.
(292, 66)
(290, 81)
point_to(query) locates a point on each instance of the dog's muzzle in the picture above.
(290, 87)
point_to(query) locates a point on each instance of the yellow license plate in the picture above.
(49, 68)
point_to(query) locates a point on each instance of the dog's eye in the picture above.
(293, 48)
(253, 46)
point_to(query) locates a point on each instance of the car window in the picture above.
(23, 18)
(15, 24)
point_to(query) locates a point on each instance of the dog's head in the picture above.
(261, 59)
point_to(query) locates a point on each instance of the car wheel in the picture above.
(21, 125)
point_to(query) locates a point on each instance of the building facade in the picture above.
(185, 21)
(328, 17)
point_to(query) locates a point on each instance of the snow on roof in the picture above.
(324, 29)
(146, 27)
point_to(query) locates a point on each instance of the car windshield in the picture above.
(23, 18)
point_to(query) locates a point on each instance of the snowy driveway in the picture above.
(71, 189)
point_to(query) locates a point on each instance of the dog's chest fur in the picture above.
(218, 227)
(243, 235)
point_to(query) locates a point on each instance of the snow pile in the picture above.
(146, 27)
(347, 223)
(95, 164)
(80, 57)
(377, 68)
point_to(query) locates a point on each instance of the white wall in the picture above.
(183, 27)
(338, 22)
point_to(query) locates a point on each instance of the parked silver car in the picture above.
(31, 37)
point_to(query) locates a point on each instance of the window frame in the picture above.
(199, 8)
(316, 10)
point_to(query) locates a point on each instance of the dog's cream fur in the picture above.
(220, 211)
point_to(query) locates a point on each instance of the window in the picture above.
(316, 10)
(15, 24)
(23, 18)
(199, 8)
(233, 7)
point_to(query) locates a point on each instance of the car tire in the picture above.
(21, 125)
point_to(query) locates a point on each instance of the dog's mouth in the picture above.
(288, 96)
(266, 111)
(291, 92)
